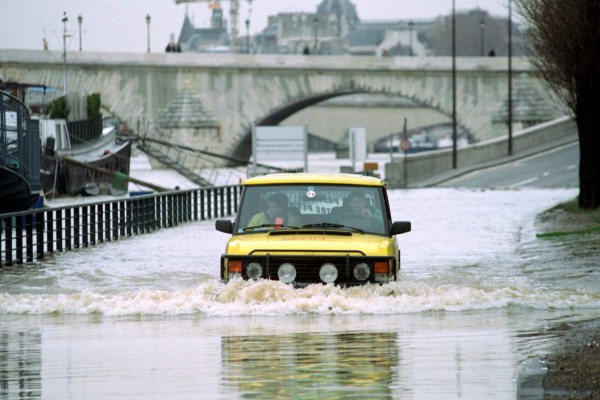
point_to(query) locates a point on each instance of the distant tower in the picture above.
(340, 7)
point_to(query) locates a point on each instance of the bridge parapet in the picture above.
(240, 90)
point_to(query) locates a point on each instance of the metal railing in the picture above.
(30, 235)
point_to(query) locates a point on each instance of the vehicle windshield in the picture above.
(355, 208)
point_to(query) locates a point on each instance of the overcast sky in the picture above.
(120, 25)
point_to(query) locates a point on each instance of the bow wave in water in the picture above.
(239, 297)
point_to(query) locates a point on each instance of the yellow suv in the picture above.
(303, 228)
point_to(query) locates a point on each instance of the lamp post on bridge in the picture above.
(482, 37)
(80, 20)
(510, 100)
(316, 26)
(148, 30)
(248, 35)
(65, 35)
(454, 134)
(248, 25)
(410, 38)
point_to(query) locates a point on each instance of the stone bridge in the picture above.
(240, 90)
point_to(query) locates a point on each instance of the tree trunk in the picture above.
(588, 125)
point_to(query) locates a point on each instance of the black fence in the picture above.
(30, 235)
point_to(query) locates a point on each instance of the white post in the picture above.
(357, 138)
(305, 148)
(253, 150)
(352, 149)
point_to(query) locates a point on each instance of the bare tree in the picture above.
(565, 40)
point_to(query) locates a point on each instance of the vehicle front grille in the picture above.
(307, 267)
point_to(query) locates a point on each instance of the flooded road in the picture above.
(146, 317)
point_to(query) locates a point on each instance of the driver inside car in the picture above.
(358, 204)
(357, 212)
(276, 214)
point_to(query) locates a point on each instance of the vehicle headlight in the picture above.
(328, 273)
(254, 270)
(286, 273)
(361, 271)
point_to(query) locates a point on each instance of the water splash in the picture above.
(213, 298)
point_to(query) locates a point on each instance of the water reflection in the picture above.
(322, 365)
(20, 364)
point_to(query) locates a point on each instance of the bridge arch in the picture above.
(280, 114)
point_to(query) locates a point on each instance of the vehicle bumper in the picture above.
(381, 269)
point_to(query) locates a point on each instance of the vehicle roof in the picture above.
(333, 179)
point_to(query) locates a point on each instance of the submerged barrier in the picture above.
(30, 235)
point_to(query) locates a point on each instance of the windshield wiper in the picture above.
(278, 226)
(333, 226)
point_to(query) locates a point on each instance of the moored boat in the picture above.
(53, 156)
(19, 156)
(61, 176)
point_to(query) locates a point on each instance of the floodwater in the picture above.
(146, 318)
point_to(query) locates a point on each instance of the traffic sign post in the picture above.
(405, 145)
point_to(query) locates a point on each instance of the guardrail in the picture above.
(30, 235)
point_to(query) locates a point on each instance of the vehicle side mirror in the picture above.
(224, 225)
(399, 227)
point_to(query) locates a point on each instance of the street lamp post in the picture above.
(248, 35)
(316, 26)
(248, 24)
(65, 20)
(80, 20)
(482, 36)
(148, 30)
(510, 99)
(410, 38)
(454, 134)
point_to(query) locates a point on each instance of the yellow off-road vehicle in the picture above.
(303, 228)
